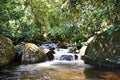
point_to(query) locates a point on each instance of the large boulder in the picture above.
(30, 53)
(7, 51)
(104, 50)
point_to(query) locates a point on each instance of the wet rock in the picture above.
(104, 50)
(30, 53)
(50, 55)
(71, 50)
(19, 51)
(67, 57)
(7, 51)
(76, 57)
(62, 45)
(79, 47)
(74, 50)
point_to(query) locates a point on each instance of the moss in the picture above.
(32, 53)
(103, 50)
(7, 51)
(41, 55)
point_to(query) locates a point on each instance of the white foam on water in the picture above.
(59, 62)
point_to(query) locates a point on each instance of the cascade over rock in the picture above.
(104, 50)
(7, 51)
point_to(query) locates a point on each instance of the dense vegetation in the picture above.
(71, 21)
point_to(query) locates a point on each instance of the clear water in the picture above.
(58, 70)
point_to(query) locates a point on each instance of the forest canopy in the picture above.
(71, 21)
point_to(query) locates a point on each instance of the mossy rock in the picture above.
(31, 53)
(104, 50)
(7, 51)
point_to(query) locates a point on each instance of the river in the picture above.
(58, 70)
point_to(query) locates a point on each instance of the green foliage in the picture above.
(73, 21)
(69, 32)
(16, 21)
(117, 28)
(63, 20)
(112, 29)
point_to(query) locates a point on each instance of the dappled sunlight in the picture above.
(68, 39)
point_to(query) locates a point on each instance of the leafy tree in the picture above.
(16, 21)
(64, 20)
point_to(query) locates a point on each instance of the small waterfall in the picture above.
(61, 54)
(82, 50)
(85, 44)
(48, 46)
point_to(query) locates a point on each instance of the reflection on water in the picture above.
(58, 70)
(103, 73)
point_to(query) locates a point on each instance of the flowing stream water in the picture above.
(59, 69)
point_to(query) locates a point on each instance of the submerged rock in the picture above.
(7, 51)
(67, 57)
(30, 53)
(104, 50)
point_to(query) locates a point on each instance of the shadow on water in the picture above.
(102, 73)
(58, 70)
